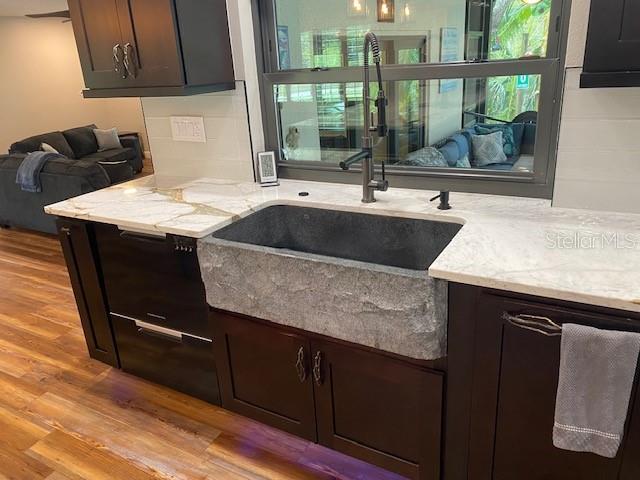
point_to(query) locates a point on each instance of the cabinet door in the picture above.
(515, 378)
(378, 409)
(96, 25)
(613, 40)
(264, 373)
(77, 246)
(150, 42)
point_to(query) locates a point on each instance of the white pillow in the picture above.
(45, 147)
(107, 139)
(488, 149)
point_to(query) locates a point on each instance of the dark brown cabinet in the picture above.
(379, 409)
(612, 56)
(502, 388)
(383, 410)
(153, 47)
(78, 247)
(154, 279)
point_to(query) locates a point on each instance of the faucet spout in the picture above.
(369, 184)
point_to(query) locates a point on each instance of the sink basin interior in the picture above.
(391, 241)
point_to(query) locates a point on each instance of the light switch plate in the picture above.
(188, 129)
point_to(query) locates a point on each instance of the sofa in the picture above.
(456, 150)
(84, 169)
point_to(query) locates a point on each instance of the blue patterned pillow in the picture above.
(488, 149)
(510, 146)
(425, 157)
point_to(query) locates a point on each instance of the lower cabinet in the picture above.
(368, 405)
(172, 358)
(502, 389)
(78, 246)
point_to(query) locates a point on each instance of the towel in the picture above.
(28, 176)
(597, 370)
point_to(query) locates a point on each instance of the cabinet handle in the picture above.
(542, 325)
(301, 368)
(129, 60)
(142, 237)
(317, 368)
(117, 61)
(66, 231)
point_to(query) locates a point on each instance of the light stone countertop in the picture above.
(516, 244)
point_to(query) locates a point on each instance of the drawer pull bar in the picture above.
(542, 325)
(156, 331)
(149, 328)
(301, 368)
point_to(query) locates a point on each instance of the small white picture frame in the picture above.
(267, 169)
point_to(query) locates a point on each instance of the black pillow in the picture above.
(32, 144)
(82, 140)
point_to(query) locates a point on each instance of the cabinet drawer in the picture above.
(153, 279)
(168, 357)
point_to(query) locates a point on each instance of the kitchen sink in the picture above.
(391, 241)
(358, 277)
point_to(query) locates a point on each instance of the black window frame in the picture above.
(538, 184)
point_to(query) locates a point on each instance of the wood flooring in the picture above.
(64, 416)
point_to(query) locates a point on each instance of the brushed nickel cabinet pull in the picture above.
(301, 368)
(129, 60)
(542, 325)
(117, 60)
(317, 368)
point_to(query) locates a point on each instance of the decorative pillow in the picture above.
(509, 143)
(488, 149)
(425, 157)
(464, 162)
(107, 139)
(45, 147)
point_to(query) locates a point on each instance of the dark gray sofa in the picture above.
(84, 170)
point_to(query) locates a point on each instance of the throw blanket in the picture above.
(28, 176)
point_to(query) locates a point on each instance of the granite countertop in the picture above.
(516, 244)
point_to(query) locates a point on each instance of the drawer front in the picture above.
(153, 279)
(168, 357)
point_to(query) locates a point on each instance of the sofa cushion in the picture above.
(93, 173)
(463, 143)
(425, 157)
(118, 172)
(450, 152)
(32, 144)
(112, 156)
(82, 140)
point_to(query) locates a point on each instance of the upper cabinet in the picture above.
(612, 57)
(138, 48)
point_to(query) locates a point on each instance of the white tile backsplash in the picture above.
(227, 153)
(598, 165)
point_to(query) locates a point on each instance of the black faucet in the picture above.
(444, 200)
(369, 184)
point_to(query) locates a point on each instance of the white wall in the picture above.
(41, 83)
(598, 163)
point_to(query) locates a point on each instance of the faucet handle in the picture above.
(383, 185)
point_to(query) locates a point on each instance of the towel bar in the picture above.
(534, 323)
